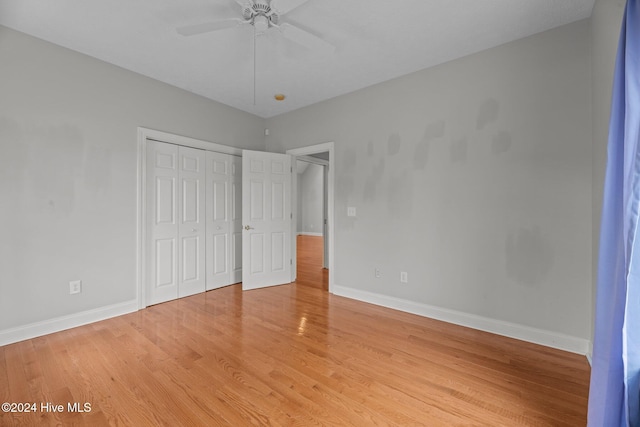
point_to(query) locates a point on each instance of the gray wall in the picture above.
(310, 186)
(475, 177)
(605, 32)
(68, 141)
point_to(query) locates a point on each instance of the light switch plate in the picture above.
(75, 287)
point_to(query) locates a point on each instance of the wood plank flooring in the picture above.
(309, 254)
(292, 355)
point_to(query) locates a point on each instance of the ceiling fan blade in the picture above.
(285, 6)
(207, 27)
(305, 38)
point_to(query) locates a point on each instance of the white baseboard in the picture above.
(308, 233)
(499, 327)
(32, 330)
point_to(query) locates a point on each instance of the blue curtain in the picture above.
(614, 391)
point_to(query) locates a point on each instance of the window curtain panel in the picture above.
(614, 390)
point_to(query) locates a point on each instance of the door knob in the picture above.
(246, 227)
(194, 230)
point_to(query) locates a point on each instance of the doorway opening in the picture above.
(313, 228)
(311, 220)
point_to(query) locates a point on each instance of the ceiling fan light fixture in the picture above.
(279, 97)
(261, 23)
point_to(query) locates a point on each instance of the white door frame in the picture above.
(145, 134)
(305, 151)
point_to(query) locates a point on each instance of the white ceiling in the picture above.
(375, 40)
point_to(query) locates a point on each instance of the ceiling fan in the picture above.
(264, 15)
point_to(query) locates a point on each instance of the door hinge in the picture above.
(291, 261)
(291, 215)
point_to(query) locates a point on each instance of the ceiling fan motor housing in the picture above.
(260, 8)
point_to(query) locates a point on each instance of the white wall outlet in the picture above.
(404, 277)
(376, 273)
(351, 211)
(75, 287)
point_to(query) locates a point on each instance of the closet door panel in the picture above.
(192, 228)
(218, 220)
(162, 222)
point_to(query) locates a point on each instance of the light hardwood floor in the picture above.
(289, 355)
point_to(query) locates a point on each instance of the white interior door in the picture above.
(192, 260)
(266, 217)
(176, 261)
(224, 256)
(162, 222)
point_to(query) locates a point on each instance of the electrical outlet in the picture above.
(377, 273)
(351, 211)
(404, 277)
(75, 287)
